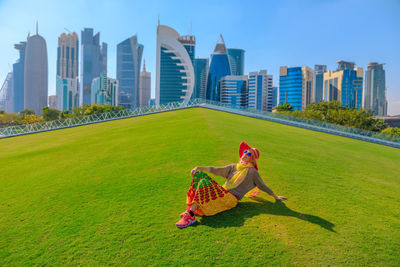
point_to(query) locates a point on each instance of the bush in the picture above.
(32, 118)
(50, 114)
(392, 131)
(333, 112)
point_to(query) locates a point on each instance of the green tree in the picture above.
(284, 107)
(50, 114)
(27, 112)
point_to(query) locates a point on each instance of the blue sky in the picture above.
(273, 33)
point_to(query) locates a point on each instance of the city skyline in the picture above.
(269, 41)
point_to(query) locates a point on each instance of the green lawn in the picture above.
(110, 193)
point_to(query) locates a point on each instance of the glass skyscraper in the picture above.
(219, 67)
(274, 96)
(18, 83)
(234, 90)
(93, 62)
(344, 85)
(175, 76)
(236, 61)
(201, 72)
(67, 86)
(6, 94)
(319, 71)
(129, 60)
(145, 87)
(375, 89)
(296, 86)
(35, 74)
(104, 90)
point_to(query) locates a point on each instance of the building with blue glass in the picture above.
(296, 86)
(6, 94)
(344, 85)
(375, 89)
(67, 93)
(236, 60)
(319, 71)
(219, 67)
(175, 76)
(104, 90)
(93, 62)
(201, 72)
(234, 90)
(18, 81)
(260, 91)
(275, 96)
(129, 60)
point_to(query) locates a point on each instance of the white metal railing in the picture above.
(359, 134)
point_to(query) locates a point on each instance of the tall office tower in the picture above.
(35, 73)
(234, 90)
(275, 96)
(104, 90)
(129, 60)
(145, 87)
(6, 94)
(201, 72)
(67, 86)
(18, 81)
(375, 89)
(174, 70)
(236, 61)
(260, 91)
(189, 42)
(344, 85)
(296, 86)
(219, 67)
(93, 62)
(53, 101)
(319, 71)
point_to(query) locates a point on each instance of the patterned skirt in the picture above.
(209, 197)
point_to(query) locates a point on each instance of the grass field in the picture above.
(110, 193)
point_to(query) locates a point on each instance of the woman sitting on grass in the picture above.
(206, 198)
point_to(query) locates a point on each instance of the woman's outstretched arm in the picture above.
(260, 184)
(217, 171)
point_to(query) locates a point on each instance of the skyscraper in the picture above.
(260, 91)
(234, 90)
(319, 71)
(145, 87)
(344, 85)
(375, 89)
(35, 73)
(6, 94)
(236, 60)
(93, 62)
(201, 73)
(275, 96)
(18, 82)
(104, 90)
(296, 86)
(53, 101)
(174, 69)
(67, 86)
(219, 67)
(189, 42)
(129, 59)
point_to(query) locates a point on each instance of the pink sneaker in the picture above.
(187, 210)
(186, 220)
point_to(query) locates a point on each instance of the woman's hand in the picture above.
(195, 169)
(281, 198)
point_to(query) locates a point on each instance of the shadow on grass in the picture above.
(236, 216)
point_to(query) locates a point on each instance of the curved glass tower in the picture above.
(219, 67)
(174, 70)
(236, 60)
(129, 59)
(35, 73)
